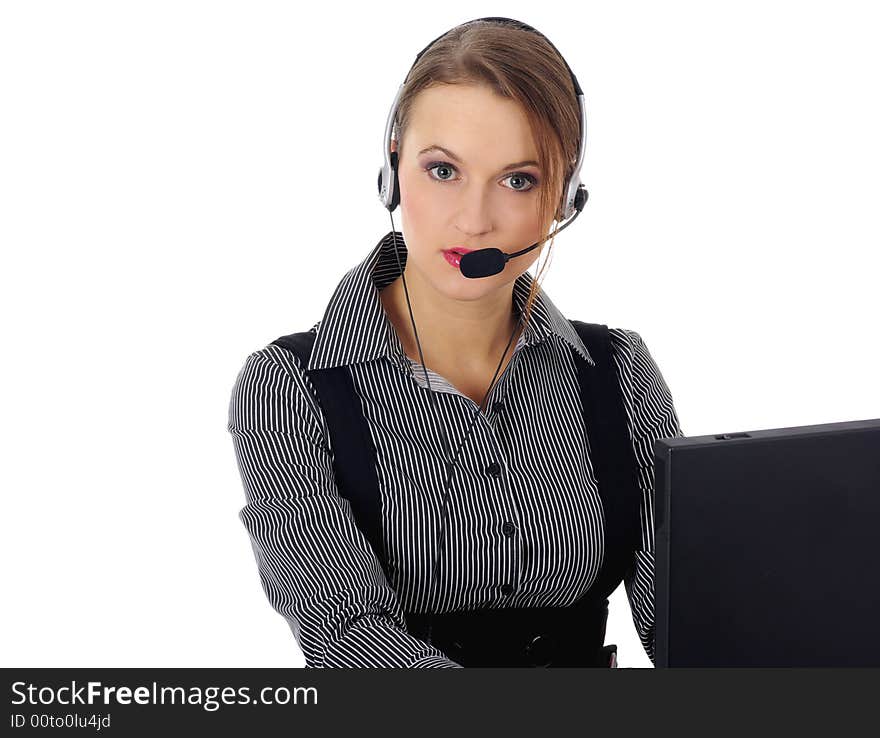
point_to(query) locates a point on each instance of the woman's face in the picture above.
(468, 195)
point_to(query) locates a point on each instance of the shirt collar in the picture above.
(355, 327)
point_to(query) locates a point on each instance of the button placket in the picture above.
(508, 527)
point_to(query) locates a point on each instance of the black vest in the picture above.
(611, 453)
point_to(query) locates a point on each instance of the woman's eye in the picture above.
(439, 165)
(442, 166)
(528, 178)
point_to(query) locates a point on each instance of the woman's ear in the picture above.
(393, 145)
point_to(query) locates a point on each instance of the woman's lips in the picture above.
(453, 258)
(453, 255)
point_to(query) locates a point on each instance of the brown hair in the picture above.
(521, 65)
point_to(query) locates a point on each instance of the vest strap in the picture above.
(354, 456)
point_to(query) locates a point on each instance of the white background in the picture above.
(182, 182)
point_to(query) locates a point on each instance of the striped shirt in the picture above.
(316, 567)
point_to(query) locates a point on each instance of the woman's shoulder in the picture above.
(272, 372)
(274, 354)
(272, 393)
(626, 340)
(631, 352)
(643, 382)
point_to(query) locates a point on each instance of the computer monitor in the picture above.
(767, 547)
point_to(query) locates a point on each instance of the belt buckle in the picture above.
(541, 649)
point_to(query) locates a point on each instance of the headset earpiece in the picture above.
(389, 192)
(395, 189)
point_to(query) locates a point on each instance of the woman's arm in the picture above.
(652, 415)
(317, 568)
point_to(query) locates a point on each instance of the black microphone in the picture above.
(486, 262)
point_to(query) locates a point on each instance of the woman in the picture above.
(422, 490)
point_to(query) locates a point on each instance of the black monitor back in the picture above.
(768, 547)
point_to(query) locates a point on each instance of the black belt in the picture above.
(571, 636)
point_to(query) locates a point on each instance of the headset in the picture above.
(478, 263)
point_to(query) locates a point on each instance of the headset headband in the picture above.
(507, 21)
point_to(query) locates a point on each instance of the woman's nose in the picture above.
(475, 212)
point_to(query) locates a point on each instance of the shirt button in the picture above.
(508, 528)
(494, 469)
(498, 407)
(506, 589)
